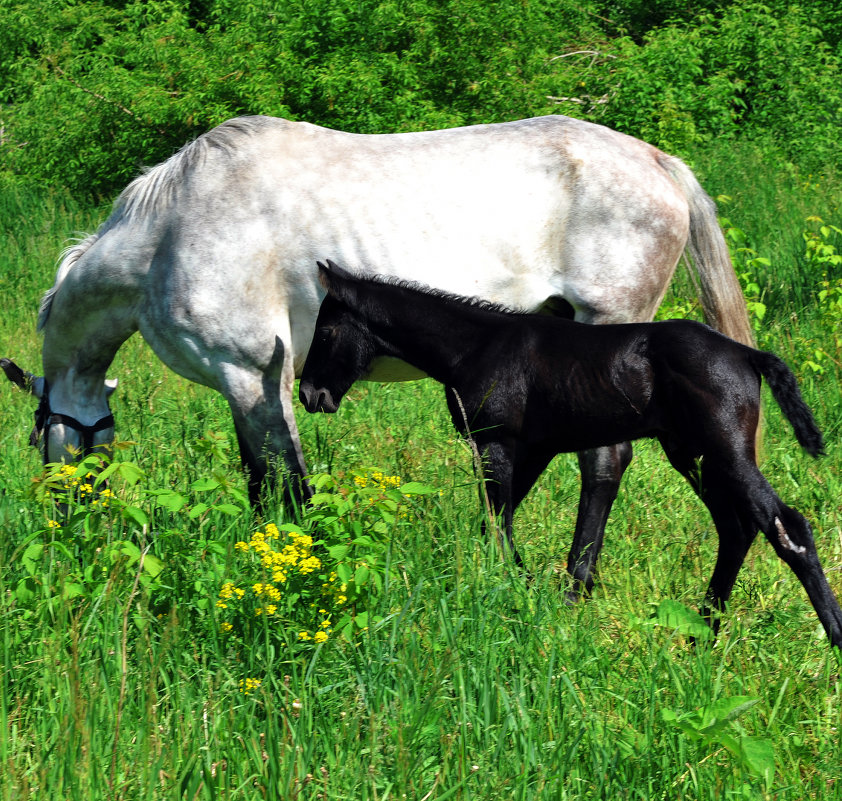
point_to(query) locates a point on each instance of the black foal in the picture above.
(530, 386)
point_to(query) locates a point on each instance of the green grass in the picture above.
(471, 685)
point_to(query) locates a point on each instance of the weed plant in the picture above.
(135, 663)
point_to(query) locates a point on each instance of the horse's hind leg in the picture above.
(602, 470)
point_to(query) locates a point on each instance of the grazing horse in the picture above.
(212, 254)
(526, 387)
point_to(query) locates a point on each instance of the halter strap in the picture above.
(45, 417)
(87, 432)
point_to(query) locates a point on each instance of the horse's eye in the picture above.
(324, 334)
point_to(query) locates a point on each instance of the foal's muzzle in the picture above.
(316, 400)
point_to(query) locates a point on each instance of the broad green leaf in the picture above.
(416, 488)
(31, 555)
(721, 712)
(170, 500)
(361, 576)
(72, 590)
(204, 485)
(198, 509)
(758, 757)
(228, 509)
(152, 565)
(25, 590)
(138, 515)
(338, 551)
(129, 472)
(675, 615)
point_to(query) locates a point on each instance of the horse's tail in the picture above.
(788, 396)
(68, 258)
(712, 272)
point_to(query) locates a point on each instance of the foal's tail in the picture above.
(786, 392)
(710, 263)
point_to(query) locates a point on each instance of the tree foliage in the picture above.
(92, 90)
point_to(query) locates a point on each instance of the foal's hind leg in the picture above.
(792, 538)
(602, 469)
(734, 527)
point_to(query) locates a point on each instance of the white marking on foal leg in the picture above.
(784, 539)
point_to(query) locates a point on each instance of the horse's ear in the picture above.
(22, 378)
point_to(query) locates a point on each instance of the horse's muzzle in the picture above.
(316, 400)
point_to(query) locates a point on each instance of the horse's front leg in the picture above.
(267, 434)
(602, 470)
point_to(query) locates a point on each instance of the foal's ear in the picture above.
(330, 273)
(324, 275)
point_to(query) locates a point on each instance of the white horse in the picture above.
(212, 256)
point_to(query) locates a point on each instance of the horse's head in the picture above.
(342, 349)
(61, 436)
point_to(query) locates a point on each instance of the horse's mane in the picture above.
(155, 190)
(69, 256)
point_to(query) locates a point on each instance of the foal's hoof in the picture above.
(572, 597)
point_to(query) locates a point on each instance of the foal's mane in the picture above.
(463, 301)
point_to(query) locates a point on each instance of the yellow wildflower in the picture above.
(320, 636)
(247, 685)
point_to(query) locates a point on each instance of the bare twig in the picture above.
(594, 101)
(478, 466)
(104, 99)
(594, 53)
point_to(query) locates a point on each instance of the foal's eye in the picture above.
(324, 333)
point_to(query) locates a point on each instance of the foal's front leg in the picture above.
(498, 467)
(602, 470)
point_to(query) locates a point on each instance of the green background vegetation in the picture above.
(456, 681)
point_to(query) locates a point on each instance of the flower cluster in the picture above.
(288, 573)
(282, 583)
(71, 479)
(377, 479)
(248, 685)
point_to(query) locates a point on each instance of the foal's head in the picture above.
(343, 347)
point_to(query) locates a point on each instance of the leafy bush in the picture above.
(299, 584)
(91, 91)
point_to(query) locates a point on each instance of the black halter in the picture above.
(45, 417)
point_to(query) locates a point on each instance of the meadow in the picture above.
(151, 650)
